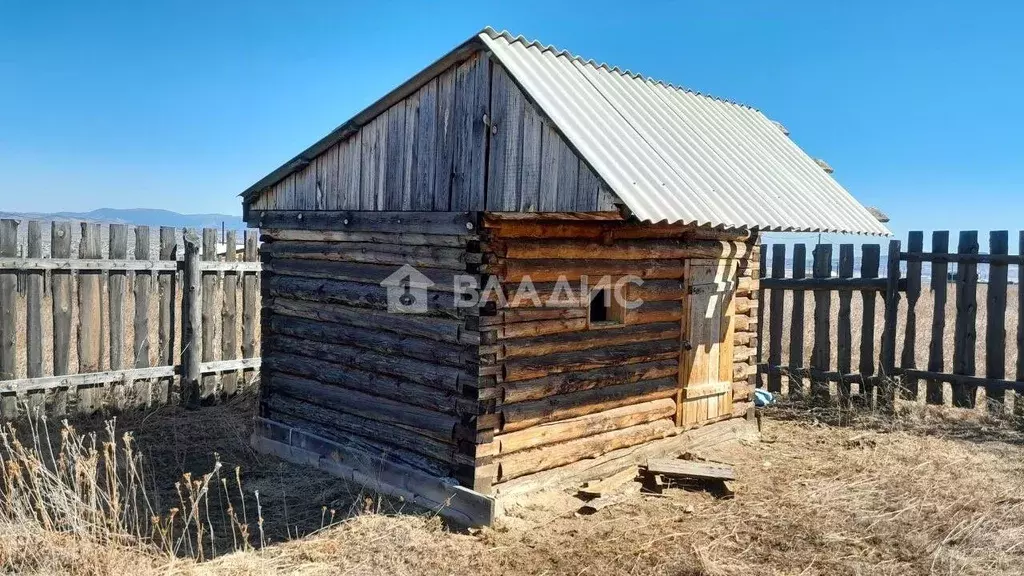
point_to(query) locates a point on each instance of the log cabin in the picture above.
(546, 180)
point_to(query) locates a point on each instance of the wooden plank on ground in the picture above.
(965, 334)
(995, 326)
(915, 243)
(90, 319)
(844, 335)
(775, 317)
(60, 292)
(608, 484)
(821, 354)
(8, 317)
(940, 286)
(676, 467)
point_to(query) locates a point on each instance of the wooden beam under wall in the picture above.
(443, 223)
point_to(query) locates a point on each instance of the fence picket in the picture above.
(34, 318)
(797, 322)
(209, 304)
(775, 318)
(90, 318)
(229, 317)
(965, 334)
(118, 240)
(995, 326)
(191, 327)
(869, 263)
(8, 316)
(844, 334)
(168, 287)
(62, 302)
(1018, 403)
(940, 287)
(915, 243)
(821, 355)
(143, 283)
(250, 298)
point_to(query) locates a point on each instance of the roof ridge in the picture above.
(505, 34)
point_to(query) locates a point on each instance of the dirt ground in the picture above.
(933, 491)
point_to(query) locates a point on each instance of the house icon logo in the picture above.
(407, 290)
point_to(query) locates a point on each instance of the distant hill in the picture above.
(138, 217)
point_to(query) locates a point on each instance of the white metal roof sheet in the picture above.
(673, 155)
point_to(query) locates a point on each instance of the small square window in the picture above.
(603, 310)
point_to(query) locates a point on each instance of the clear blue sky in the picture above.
(181, 105)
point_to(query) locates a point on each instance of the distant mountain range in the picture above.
(138, 217)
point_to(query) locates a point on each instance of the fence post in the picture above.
(191, 328)
(886, 388)
(8, 316)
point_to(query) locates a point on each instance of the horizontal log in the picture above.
(364, 237)
(570, 382)
(438, 278)
(532, 314)
(379, 437)
(67, 264)
(356, 294)
(499, 218)
(744, 323)
(551, 270)
(541, 327)
(526, 368)
(561, 431)
(586, 340)
(444, 223)
(527, 414)
(988, 383)
(529, 461)
(386, 254)
(428, 422)
(648, 312)
(609, 231)
(433, 328)
(657, 290)
(623, 250)
(353, 378)
(114, 376)
(745, 305)
(427, 373)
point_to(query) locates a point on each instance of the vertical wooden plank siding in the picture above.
(60, 247)
(229, 317)
(775, 320)
(444, 167)
(529, 176)
(940, 285)
(915, 243)
(90, 319)
(208, 299)
(549, 159)
(965, 333)
(116, 285)
(191, 327)
(394, 158)
(168, 288)
(869, 263)
(502, 158)
(844, 334)
(821, 355)
(8, 316)
(424, 161)
(34, 318)
(472, 99)
(796, 331)
(995, 326)
(568, 176)
(143, 285)
(250, 298)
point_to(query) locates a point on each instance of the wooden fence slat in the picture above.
(168, 287)
(8, 317)
(995, 326)
(1018, 404)
(965, 334)
(775, 318)
(796, 327)
(250, 298)
(229, 317)
(869, 262)
(61, 302)
(209, 305)
(116, 283)
(90, 318)
(915, 243)
(844, 334)
(940, 287)
(821, 354)
(191, 327)
(762, 268)
(34, 318)
(142, 285)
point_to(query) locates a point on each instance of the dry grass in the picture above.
(930, 491)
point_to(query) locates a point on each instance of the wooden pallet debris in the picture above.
(690, 469)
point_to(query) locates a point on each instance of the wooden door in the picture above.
(706, 356)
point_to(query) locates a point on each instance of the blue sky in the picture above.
(181, 105)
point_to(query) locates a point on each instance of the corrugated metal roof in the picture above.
(673, 155)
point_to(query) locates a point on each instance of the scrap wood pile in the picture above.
(688, 472)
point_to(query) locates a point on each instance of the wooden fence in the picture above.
(894, 346)
(87, 323)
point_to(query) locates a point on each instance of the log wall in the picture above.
(337, 364)
(562, 388)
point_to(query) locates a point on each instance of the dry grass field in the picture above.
(931, 491)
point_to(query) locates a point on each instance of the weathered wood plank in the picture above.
(442, 223)
(90, 320)
(192, 322)
(368, 238)
(424, 162)
(1019, 399)
(441, 329)
(229, 317)
(965, 331)
(691, 469)
(117, 285)
(374, 163)
(821, 353)
(624, 250)
(886, 394)
(568, 178)
(142, 287)
(210, 290)
(775, 317)
(915, 243)
(390, 254)
(549, 158)
(504, 133)
(526, 368)
(350, 172)
(250, 299)
(8, 317)
(60, 292)
(569, 382)
(472, 103)
(395, 160)
(33, 317)
(444, 166)
(365, 295)
(995, 326)
(869, 264)
(167, 288)
(844, 336)
(576, 341)
(530, 169)
(940, 286)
